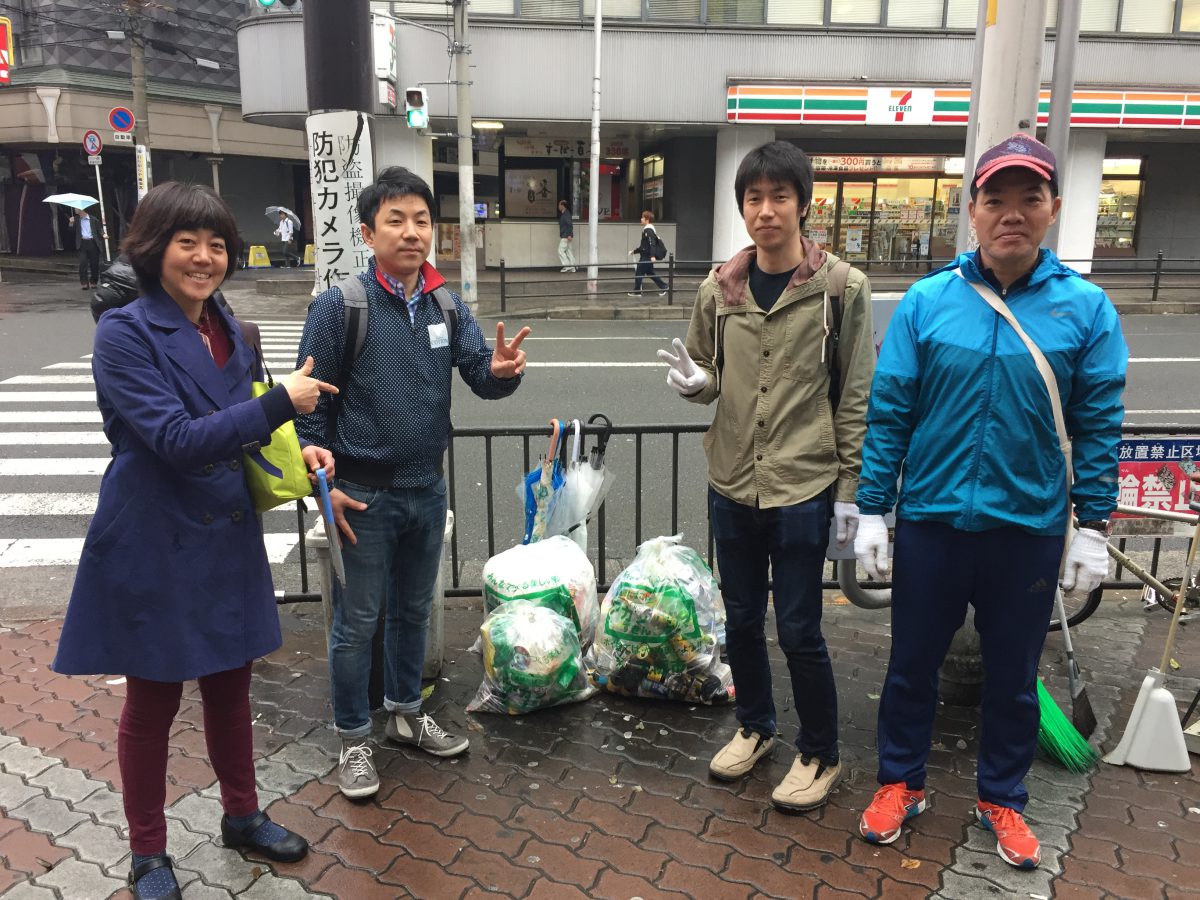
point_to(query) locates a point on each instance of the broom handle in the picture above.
(1072, 668)
(1184, 585)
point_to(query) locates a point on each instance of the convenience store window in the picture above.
(1116, 217)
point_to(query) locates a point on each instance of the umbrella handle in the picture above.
(555, 431)
(602, 439)
(576, 440)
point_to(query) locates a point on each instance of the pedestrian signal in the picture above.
(416, 107)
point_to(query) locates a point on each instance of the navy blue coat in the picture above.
(173, 582)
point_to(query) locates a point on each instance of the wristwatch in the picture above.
(1101, 525)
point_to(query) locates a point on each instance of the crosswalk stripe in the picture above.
(47, 504)
(58, 417)
(41, 465)
(47, 396)
(69, 365)
(58, 438)
(48, 379)
(27, 552)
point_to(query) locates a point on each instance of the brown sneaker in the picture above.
(807, 784)
(738, 757)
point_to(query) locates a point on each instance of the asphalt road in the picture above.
(577, 367)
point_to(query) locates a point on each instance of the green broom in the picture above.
(1058, 739)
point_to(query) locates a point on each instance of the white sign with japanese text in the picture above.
(568, 148)
(340, 166)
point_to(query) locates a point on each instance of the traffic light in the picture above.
(416, 107)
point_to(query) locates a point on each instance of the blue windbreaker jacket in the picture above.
(958, 402)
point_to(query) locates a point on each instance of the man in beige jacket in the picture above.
(782, 340)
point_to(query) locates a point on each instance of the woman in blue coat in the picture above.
(173, 582)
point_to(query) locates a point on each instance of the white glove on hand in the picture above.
(871, 547)
(1087, 562)
(683, 375)
(845, 515)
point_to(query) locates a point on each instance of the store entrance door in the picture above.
(840, 217)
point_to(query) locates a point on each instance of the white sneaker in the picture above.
(807, 784)
(425, 734)
(738, 757)
(662, 293)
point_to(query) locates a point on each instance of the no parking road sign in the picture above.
(121, 119)
(92, 143)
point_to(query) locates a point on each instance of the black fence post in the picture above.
(503, 285)
(1158, 261)
(670, 279)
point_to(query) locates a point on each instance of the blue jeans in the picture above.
(645, 268)
(1008, 575)
(393, 567)
(791, 541)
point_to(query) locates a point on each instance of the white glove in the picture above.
(871, 547)
(846, 517)
(1087, 562)
(683, 375)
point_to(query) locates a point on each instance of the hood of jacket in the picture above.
(731, 276)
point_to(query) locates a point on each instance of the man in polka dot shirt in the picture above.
(389, 496)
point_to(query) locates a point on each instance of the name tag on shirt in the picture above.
(438, 336)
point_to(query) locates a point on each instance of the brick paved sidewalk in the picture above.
(607, 799)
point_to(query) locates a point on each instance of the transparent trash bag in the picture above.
(662, 621)
(531, 660)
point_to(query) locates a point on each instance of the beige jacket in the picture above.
(774, 438)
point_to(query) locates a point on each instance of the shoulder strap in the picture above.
(449, 312)
(835, 291)
(355, 313)
(253, 339)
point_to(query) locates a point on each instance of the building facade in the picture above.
(71, 67)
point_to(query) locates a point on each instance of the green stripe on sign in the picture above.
(839, 105)
(1043, 106)
(1154, 109)
(1093, 108)
(1193, 111)
(762, 103)
(951, 105)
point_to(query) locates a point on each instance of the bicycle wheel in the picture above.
(1078, 609)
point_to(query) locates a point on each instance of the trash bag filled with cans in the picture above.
(531, 660)
(661, 623)
(553, 573)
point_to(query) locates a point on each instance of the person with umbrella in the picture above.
(284, 230)
(87, 241)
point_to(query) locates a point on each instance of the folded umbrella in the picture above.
(331, 529)
(542, 486)
(585, 484)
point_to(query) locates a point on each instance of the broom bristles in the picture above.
(1059, 739)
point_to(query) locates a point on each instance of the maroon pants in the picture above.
(150, 708)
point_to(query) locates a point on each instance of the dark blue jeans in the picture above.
(393, 567)
(645, 268)
(1008, 575)
(790, 541)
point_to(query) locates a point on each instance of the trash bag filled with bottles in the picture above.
(662, 623)
(531, 660)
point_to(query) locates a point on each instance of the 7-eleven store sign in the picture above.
(898, 106)
(6, 50)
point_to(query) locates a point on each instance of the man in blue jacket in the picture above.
(389, 496)
(958, 402)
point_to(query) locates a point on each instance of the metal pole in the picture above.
(466, 167)
(962, 242)
(103, 221)
(594, 157)
(503, 288)
(137, 64)
(1062, 87)
(1157, 275)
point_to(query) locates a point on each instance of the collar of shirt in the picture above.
(395, 287)
(990, 277)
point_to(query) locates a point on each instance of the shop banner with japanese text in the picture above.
(1153, 473)
(340, 166)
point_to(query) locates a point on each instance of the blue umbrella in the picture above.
(542, 487)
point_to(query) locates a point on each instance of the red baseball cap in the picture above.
(1020, 150)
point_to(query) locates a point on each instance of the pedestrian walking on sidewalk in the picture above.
(389, 431)
(783, 455)
(647, 256)
(87, 239)
(287, 246)
(566, 237)
(173, 583)
(959, 404)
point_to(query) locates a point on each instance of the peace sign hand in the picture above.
(508, 359)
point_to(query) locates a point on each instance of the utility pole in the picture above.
(135, 17)
(1062, 87)
(461, 50)
(593, 271)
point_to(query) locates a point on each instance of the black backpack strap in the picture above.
(449, 312)
(839, 273)
(354, 335)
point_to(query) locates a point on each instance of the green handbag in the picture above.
(275, 471)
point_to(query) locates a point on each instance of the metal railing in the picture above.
(494, 521)
(1153, 275)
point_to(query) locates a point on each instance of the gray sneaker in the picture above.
(357, 777)
(425, 734)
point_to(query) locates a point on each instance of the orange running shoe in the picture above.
(1015, 843)
(892, 805)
